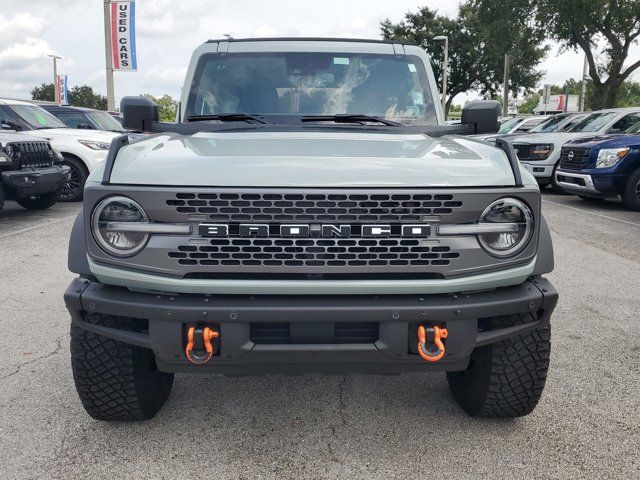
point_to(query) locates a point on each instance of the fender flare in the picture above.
(544, 259)
(77, 255)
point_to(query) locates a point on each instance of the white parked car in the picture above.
(514, 125)
(83, 150)
(540, 152)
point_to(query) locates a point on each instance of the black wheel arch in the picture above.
(77, 256)
(544, 259)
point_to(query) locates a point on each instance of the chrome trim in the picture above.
(588, 182)
(477, 228)
(154, 228)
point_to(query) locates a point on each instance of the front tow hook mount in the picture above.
(199, 347)
(430, 346)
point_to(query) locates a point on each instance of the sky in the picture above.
(169, 30)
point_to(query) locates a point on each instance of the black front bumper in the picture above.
(166, 318)
(28, 182)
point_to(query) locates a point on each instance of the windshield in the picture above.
(104, 121)
(394, 87)
(549, 125)
(36, 117)
(508, 125)
(593, 123)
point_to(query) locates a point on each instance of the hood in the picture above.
(606, 141)
(10, 136)
(80, 133)
(556, 138)
(310, 159)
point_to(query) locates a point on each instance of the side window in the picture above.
(624, 123)
(75, 120)
(8, 120)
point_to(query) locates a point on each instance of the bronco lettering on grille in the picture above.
(306, 230)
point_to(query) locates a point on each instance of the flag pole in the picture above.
(108, 55)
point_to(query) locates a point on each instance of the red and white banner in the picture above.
(123, 35)
(62, 90)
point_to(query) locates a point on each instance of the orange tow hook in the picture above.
(199, 348)
(430, 346)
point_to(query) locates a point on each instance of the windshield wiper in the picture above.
(350, 118)
(226, 117)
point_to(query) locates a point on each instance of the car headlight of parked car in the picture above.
(540, 152)
(119, 226)
(608, 157)
(506, 214)
(93, 145)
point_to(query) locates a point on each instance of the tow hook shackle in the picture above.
(199, 348)
(430, 346)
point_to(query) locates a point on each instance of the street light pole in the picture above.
(445, 71)
(505, 88)
(56, 93)
(583, 87)
(108, 56)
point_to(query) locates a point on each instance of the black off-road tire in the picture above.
(73, 189)
(116, 381)
(504, 379)
(41, 202)
(631, 195)
(1, 197)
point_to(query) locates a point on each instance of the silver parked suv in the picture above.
(309, 212)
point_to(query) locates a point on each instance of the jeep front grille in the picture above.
(316, 207)
(314, 252)
(33, 154)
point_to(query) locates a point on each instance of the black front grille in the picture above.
(314, 252)
(317, 207)
(32, 154)
(578, 160)
(283, 333)
(523, 150)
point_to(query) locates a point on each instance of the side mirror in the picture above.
(138, 113)
(482, 116)
(9, 125)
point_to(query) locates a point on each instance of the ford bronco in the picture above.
(309, 211)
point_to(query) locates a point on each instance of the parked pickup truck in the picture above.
(602, 166)
(540, 152)
(30, 172)
(309, 212)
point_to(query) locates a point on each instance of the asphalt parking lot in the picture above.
(586, 426)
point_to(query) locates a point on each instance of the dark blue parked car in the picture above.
(595, 168)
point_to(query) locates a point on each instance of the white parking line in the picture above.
(592, 213)
(28, 229)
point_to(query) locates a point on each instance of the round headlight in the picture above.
(508, 243)
(108, 224)
(13, 152)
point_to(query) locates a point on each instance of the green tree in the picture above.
(84, 96)
(79, 96)
(475, 62)
(605, 30)
(167, 107)
(44, 93)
